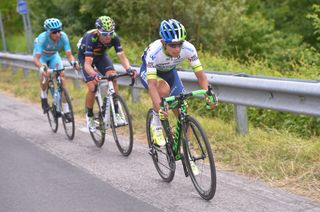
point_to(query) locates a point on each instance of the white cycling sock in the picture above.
(43, 94)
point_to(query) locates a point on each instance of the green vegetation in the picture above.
(277, 157)
(284, 35)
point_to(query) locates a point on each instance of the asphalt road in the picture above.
(43, 171)
(33, 180)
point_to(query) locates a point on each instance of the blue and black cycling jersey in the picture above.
(90, 46)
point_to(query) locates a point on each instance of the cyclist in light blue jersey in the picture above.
(46, 55)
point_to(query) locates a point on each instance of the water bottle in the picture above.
(51, 87)
(107, 111)
(57, 100)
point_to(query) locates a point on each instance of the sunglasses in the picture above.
(106, 33)
(55, 32)
(175, 45)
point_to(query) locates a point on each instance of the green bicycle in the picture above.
(189, 144)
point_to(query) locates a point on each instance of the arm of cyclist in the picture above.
(126, 65)
(89, 69)
(202, 79)
(203, 83)
(74, 63)
(153, 92)
(41, 66)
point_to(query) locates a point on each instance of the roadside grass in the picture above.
(276, 157)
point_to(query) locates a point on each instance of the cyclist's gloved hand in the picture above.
(75, 64)
(96, 77)
(211, 102)
(43, 68)
(132, 72)
(163, 114)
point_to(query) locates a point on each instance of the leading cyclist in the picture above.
(158, 71)
(46, 55)
(92, 47)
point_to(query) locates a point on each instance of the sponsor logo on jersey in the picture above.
(94, 39)
(193, 58)
(150, 65)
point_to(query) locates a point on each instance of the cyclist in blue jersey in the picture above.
(92, 52)
(46, 55)
(158, 70)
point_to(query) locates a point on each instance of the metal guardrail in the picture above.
(289, 95)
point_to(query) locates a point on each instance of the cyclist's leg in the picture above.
(90, 96)
(176, 88)
(143, 73)
(105, 67)
(163, 89)
(174, 82)
(55, 63)
(44, 86)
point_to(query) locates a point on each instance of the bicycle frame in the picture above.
(189, 144)
(106, 102)
(175, 140)
(55, 86)
(181, 103)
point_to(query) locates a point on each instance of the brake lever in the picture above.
(132, 82)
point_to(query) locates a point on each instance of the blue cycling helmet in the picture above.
(52, 24)
(172, 31)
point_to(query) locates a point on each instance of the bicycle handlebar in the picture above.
(112, 77)
(46, 70)
(183, 96)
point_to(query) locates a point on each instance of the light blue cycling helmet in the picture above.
(52, 24)
(172, 31)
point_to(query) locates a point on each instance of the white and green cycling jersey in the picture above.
(157, 60)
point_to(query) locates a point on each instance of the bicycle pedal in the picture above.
(120, 125)
(151, 151)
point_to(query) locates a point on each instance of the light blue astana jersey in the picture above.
(49, 50)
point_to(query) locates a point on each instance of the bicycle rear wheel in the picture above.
(98, 136)
(52, 114)
(122, 132)
(199, 158)
(67, 116)
(163, 158)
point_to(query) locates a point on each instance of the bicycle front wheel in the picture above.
(199, 158)
(67, 115)
(121, 126)
(163, 158)
(98, 136)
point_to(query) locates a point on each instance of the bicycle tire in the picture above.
(123, 134)
(100, 133)
(167, 168)
(195, 148)
(68, 124)
(52, 114)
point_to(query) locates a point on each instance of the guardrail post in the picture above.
(14, 70)
(25, 72)
(135, 94)
(4, 65)
(241, 119)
